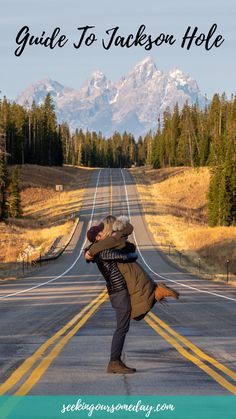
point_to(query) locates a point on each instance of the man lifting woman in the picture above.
(131, 290)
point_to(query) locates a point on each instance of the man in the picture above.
(106, 261)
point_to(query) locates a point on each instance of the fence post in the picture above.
(169, 249)
(180, 258)
(199, 265)
(40, 260)
(23, 265)
(227, 269)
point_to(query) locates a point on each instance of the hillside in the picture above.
(174, 201)
(47, 214)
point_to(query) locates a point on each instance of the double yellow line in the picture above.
(32, 369)
(183, 346)
(193, 353)
(41, 359)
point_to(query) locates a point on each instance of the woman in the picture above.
(144, 292)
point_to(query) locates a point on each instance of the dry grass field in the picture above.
(47, 214)
(174, 202)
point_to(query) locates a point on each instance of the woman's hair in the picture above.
(108, 226)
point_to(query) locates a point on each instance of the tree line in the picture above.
(191, 136)
(202, 137)
(32, 134)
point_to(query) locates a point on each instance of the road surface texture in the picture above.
(56, 326)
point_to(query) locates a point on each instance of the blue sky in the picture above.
(214, 70)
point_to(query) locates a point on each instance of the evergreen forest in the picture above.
(191, 136)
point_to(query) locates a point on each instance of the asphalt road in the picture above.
(56, 326)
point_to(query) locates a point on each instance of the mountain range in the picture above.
(132, 104)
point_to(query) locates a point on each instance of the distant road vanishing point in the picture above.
(56, 325)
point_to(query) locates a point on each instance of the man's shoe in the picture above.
(117, 367)
(163, 291)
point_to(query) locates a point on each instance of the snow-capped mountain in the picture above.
(39, 90)
(134, 103)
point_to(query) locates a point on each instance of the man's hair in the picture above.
(120, 223)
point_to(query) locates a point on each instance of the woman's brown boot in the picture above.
(163, 291)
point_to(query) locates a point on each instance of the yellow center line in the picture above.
(39, 370)
(22, 370)
(200, 364)
(46, 362)
(194, 348)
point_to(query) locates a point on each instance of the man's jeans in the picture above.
(120, 301)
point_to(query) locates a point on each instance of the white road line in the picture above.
(73, 264)
(157, 274)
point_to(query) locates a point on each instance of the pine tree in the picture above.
(214, 205)
(204, 137)
(50, 139)
(229, 203)
(174, 136)
(155, 149)
(15, 197)
(3, 178)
